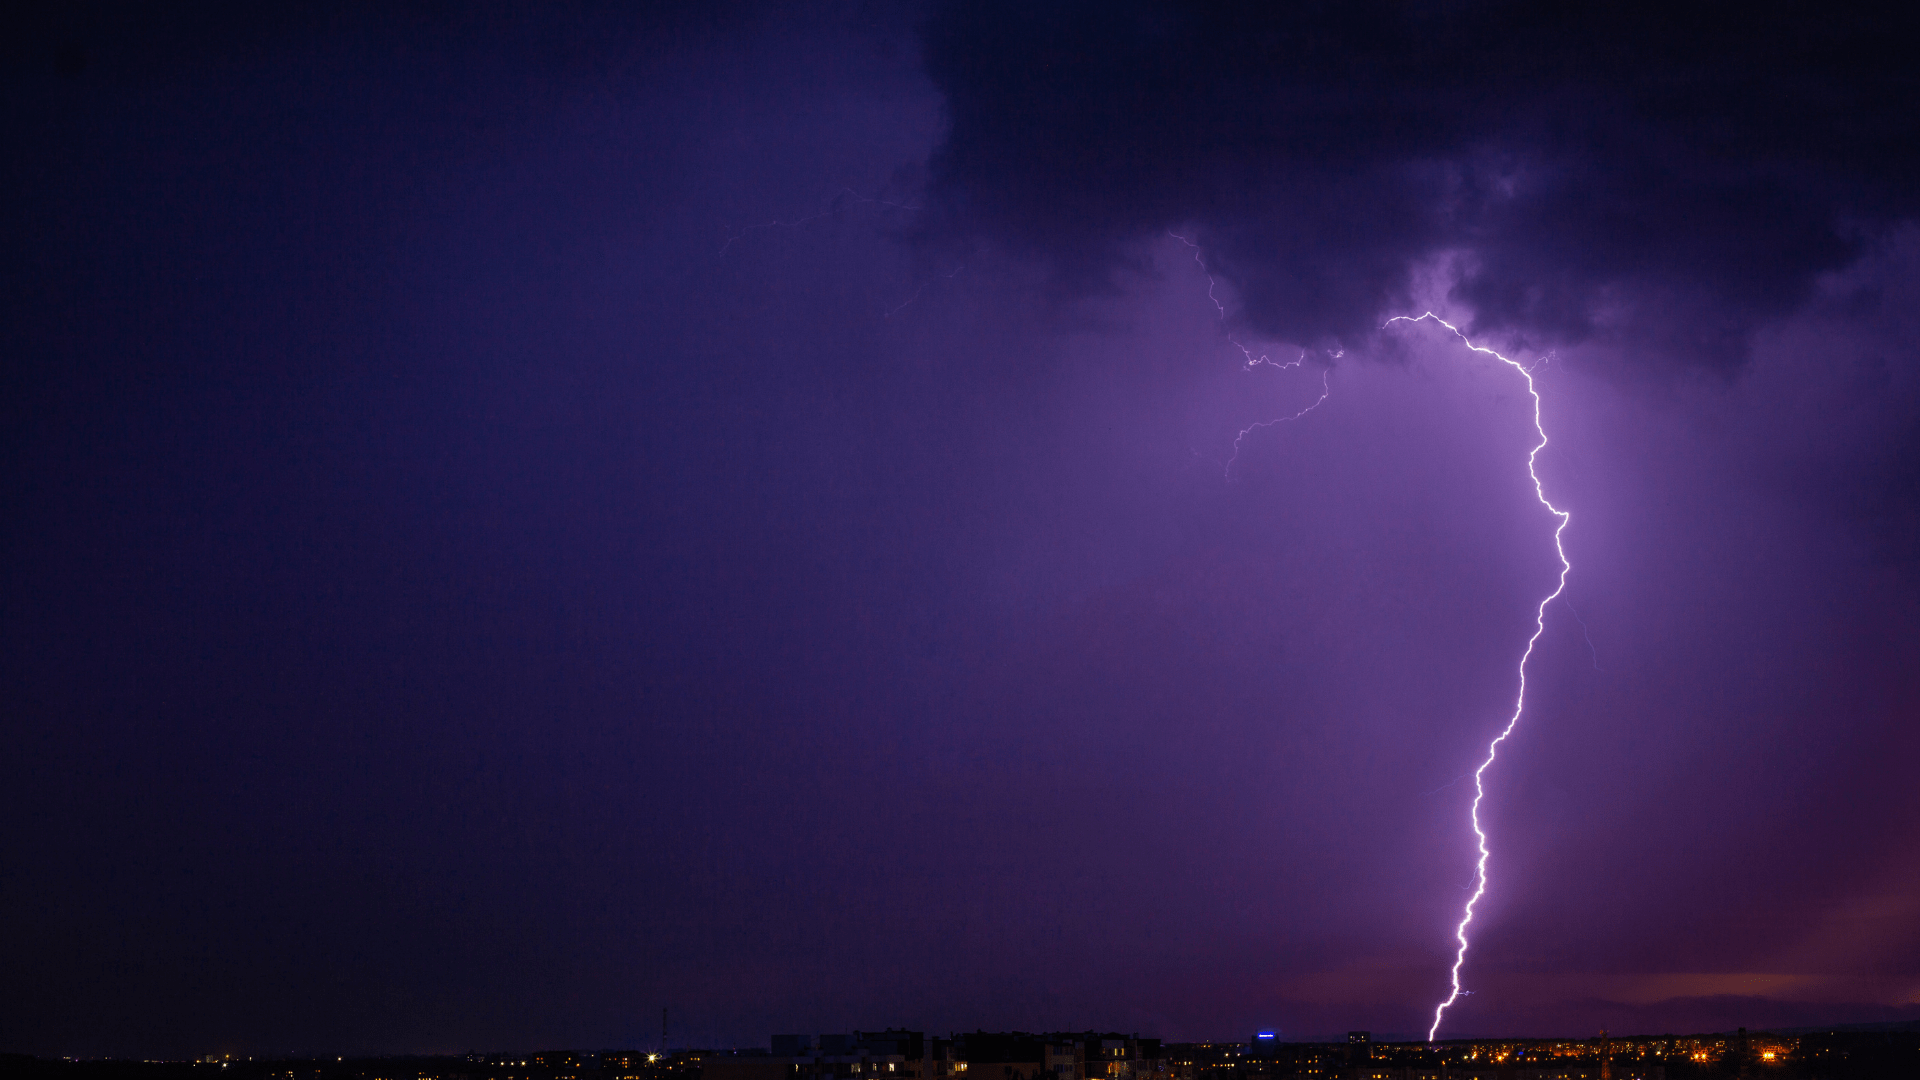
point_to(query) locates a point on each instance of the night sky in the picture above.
(513, 521)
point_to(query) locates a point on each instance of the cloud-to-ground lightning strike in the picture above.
(1540, 612)
(1520, 699)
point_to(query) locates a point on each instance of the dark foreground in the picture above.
(897, 1055)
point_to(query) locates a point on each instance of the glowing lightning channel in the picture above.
(1252, 361)
(1202, 263)
(1280, 419)
(1520, 700)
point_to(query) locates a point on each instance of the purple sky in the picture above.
(470, 585)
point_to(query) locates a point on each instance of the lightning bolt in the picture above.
(1280, 419)
(1201, 261)
(1520, 699)
(1252, 361)
(903, 305)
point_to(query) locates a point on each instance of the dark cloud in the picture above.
(1660, 179)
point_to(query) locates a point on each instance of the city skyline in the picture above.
(905, 1054)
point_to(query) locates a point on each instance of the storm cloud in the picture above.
(1661, 180)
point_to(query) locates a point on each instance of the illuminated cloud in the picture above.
(1660, 179)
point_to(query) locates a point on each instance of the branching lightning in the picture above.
(1540, 612)
(1586, 633)
(904, 304)
(1456, 991)
(1252, 361)
(1539, 615)
(1520, 699)
(1200, 261)
(1277, 420)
